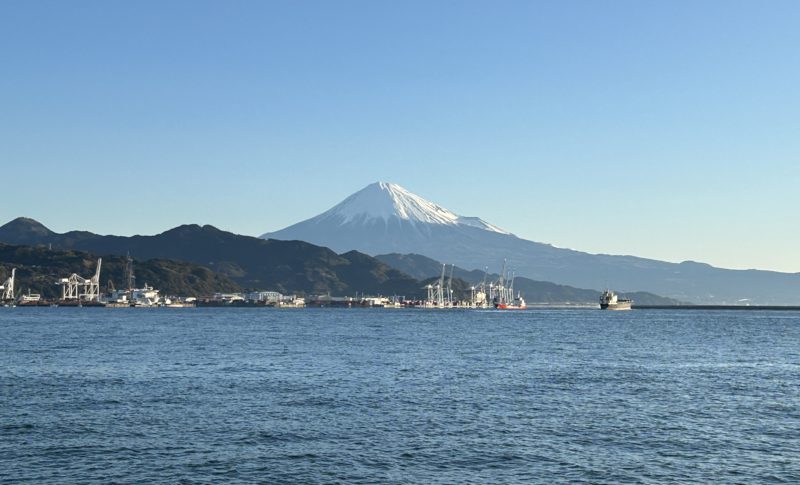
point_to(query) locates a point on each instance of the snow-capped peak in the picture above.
(382, 200)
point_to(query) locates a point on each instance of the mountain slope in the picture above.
(38, 269)
(285, 266)
(24, 230)
(383, 218)
(422, 268)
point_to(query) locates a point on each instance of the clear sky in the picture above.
(662, 129)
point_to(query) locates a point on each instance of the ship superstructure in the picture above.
(611, 301)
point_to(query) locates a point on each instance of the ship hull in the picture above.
(620, 305)
(501, 306)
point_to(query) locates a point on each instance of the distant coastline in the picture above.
(717, 307)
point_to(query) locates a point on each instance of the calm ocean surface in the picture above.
(398, 396)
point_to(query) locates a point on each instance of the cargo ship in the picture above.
(610, 301)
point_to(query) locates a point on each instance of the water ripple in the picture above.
(242, 396)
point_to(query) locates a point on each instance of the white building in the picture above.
(265, 296)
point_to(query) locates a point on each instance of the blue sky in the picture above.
(659, 129)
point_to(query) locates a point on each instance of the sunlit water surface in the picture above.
(398, 396)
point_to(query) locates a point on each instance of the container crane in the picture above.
(71, 287)
(8, 287)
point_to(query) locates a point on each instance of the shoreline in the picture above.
(377, 307)
(717, 307)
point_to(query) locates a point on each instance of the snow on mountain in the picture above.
(382, 200)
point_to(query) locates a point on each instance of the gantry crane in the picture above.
(78, 288)
(8, 287)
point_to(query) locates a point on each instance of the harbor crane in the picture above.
(8, 287)
(429, 300)
(78, 288)
(436, 297)
(92, 292)
(450, 286)
(440, 289)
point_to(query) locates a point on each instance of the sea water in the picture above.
(398, 396)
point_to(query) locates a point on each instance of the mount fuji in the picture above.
(386, 218)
